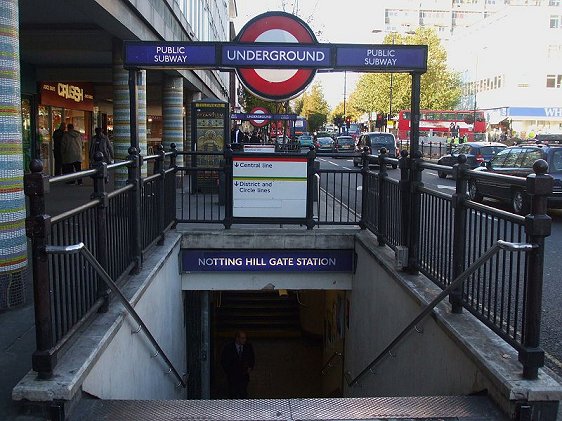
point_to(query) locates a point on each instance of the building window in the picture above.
(554, 3)
(554, 21)
(554, 51)
(554, 81)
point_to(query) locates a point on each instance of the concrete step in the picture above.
(378, 408)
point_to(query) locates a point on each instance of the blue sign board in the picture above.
(275, 55)
(358, 57)
(276, 117)
(535, 112)
(382, 57)
(170, 54)
(267, 260)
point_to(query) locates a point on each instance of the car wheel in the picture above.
(394, 166)
(442, 174)
(473, 192)
(519, 202)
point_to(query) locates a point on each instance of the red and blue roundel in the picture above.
(276, 84)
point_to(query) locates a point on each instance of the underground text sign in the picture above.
(269, 187)
(267, 260)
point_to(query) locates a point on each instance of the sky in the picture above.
(350, 21)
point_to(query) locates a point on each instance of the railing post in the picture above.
(161, 197)
(38, 229)
(228, 187)
(101, 238)
(172, 201)
(135, 179)
(310, 173)
(383, 174)
(415, 206)
(404, 186)
(459, 230)
(364, 187)
(537, 226)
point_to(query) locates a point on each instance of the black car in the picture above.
(476, 154)
(518, 161)
(375, 141)
(345, 144)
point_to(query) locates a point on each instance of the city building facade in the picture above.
(68, 69)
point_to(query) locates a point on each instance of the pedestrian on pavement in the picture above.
(100, 143)
(237, 360)
(57, 144)
(71, 149)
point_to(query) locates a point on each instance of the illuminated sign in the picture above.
(267, 260)
(71, 95)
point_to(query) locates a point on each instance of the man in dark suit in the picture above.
(237, 361)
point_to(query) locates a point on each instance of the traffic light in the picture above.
(380, 122)
(347, 121)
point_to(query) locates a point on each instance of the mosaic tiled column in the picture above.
(121, 116)
(13, 250)
(121, 113)
(141, 118)
(172, 115)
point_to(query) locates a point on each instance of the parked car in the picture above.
(375, 141)
(476, 154)
(306, 140)
(324, 144)
(518, 161)
(345, 145)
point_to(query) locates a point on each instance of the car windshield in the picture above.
(491, 150)
(305, 137)
(381, 139)
(345, 140)
(325, 140)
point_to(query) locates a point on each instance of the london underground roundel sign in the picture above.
(276, 84)
(258, 122)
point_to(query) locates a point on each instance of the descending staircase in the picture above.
(260, 314)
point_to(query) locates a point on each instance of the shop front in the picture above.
(63, 103)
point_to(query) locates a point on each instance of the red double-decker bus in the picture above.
(470, 123)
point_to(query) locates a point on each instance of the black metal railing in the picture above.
(433, 233)
(445, 234)
(67, 291)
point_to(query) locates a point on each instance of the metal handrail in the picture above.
(80, 248)
(329, 362)
(496, 247)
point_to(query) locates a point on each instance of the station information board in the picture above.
(269, 186)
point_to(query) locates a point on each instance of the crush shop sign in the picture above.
(267, 260)
(278, 27)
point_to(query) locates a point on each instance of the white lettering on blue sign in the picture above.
(275, 55)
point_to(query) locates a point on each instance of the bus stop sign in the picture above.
(276, 84)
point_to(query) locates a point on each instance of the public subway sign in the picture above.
(276, 56)
(267, 260)
(359, 57)
(270, 186)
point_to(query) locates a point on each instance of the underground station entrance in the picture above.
(280, 305)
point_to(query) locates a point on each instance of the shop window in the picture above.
(554, 21)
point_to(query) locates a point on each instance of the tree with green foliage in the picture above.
(315, 107)
(440, 87)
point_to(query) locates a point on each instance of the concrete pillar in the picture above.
(13, 243)
(121, 116)
(141, 120)
(172, 115)
(191, 96)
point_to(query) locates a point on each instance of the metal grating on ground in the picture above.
(404, 408)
